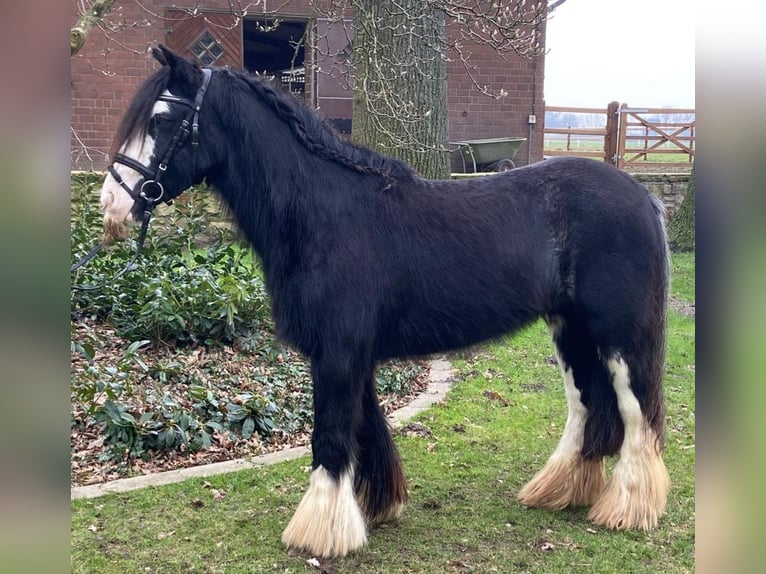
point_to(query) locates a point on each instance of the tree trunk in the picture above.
(681, 230)
(400, 85)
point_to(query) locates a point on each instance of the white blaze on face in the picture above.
(115, 201)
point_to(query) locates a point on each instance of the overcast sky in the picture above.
(639, 52)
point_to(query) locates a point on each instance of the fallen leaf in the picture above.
(495, 396)
(415, 429)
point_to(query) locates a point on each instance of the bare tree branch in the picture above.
(87, 20)
(554, 5)
(392, 109)
(394, 50)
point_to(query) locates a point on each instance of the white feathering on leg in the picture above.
(567, 479)
(328, 521)
(637, 491)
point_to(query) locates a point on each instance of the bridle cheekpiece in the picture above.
(151, 190)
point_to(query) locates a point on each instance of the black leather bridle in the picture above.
(150, 189)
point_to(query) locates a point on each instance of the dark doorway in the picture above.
(276, 50)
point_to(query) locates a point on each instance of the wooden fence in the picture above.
(622, 135)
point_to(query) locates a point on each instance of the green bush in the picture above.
(179, 290)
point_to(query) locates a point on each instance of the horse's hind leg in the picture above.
(381, 488)
(631, 342)
(637, 491)
(573, 475)
(328, 520)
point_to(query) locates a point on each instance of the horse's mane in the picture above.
(320, 138)
(315, 134)
(136, 119)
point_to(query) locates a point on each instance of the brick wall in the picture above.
(473, 115)
(111, 66)
(104, 76)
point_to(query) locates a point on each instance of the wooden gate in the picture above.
(624, 136)
(645, 139)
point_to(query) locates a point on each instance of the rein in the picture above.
(150, 189)
(147, 215)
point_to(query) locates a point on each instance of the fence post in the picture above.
(610, 137)
(623, 130)
(691, 143)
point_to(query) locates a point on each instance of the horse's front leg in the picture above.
(328, 521)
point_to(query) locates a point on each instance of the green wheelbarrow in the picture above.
(495, 154)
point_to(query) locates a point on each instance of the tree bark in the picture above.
(681, 230)
(89, 19)
(400, 87)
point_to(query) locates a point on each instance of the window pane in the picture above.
(206, 48)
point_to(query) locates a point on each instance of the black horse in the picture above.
(365, 260)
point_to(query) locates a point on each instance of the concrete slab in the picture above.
(439, 382)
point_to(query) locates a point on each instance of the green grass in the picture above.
(682, 276)
(495, 430)
(597, 145)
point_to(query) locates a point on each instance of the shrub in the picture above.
(180, 290)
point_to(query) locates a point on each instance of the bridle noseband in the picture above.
(151, 190)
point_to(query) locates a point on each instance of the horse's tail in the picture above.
(381, 488)
(655, 404)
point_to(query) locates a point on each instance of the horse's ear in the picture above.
(182, 69)
(159, 55)
(167, 57)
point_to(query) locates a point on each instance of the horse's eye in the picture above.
(160, 121)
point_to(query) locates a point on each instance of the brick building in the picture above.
(114, 62)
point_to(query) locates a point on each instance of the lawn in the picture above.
(682, 285)
(465, 460)
(666, 153)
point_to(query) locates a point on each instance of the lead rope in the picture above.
(146, 217)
